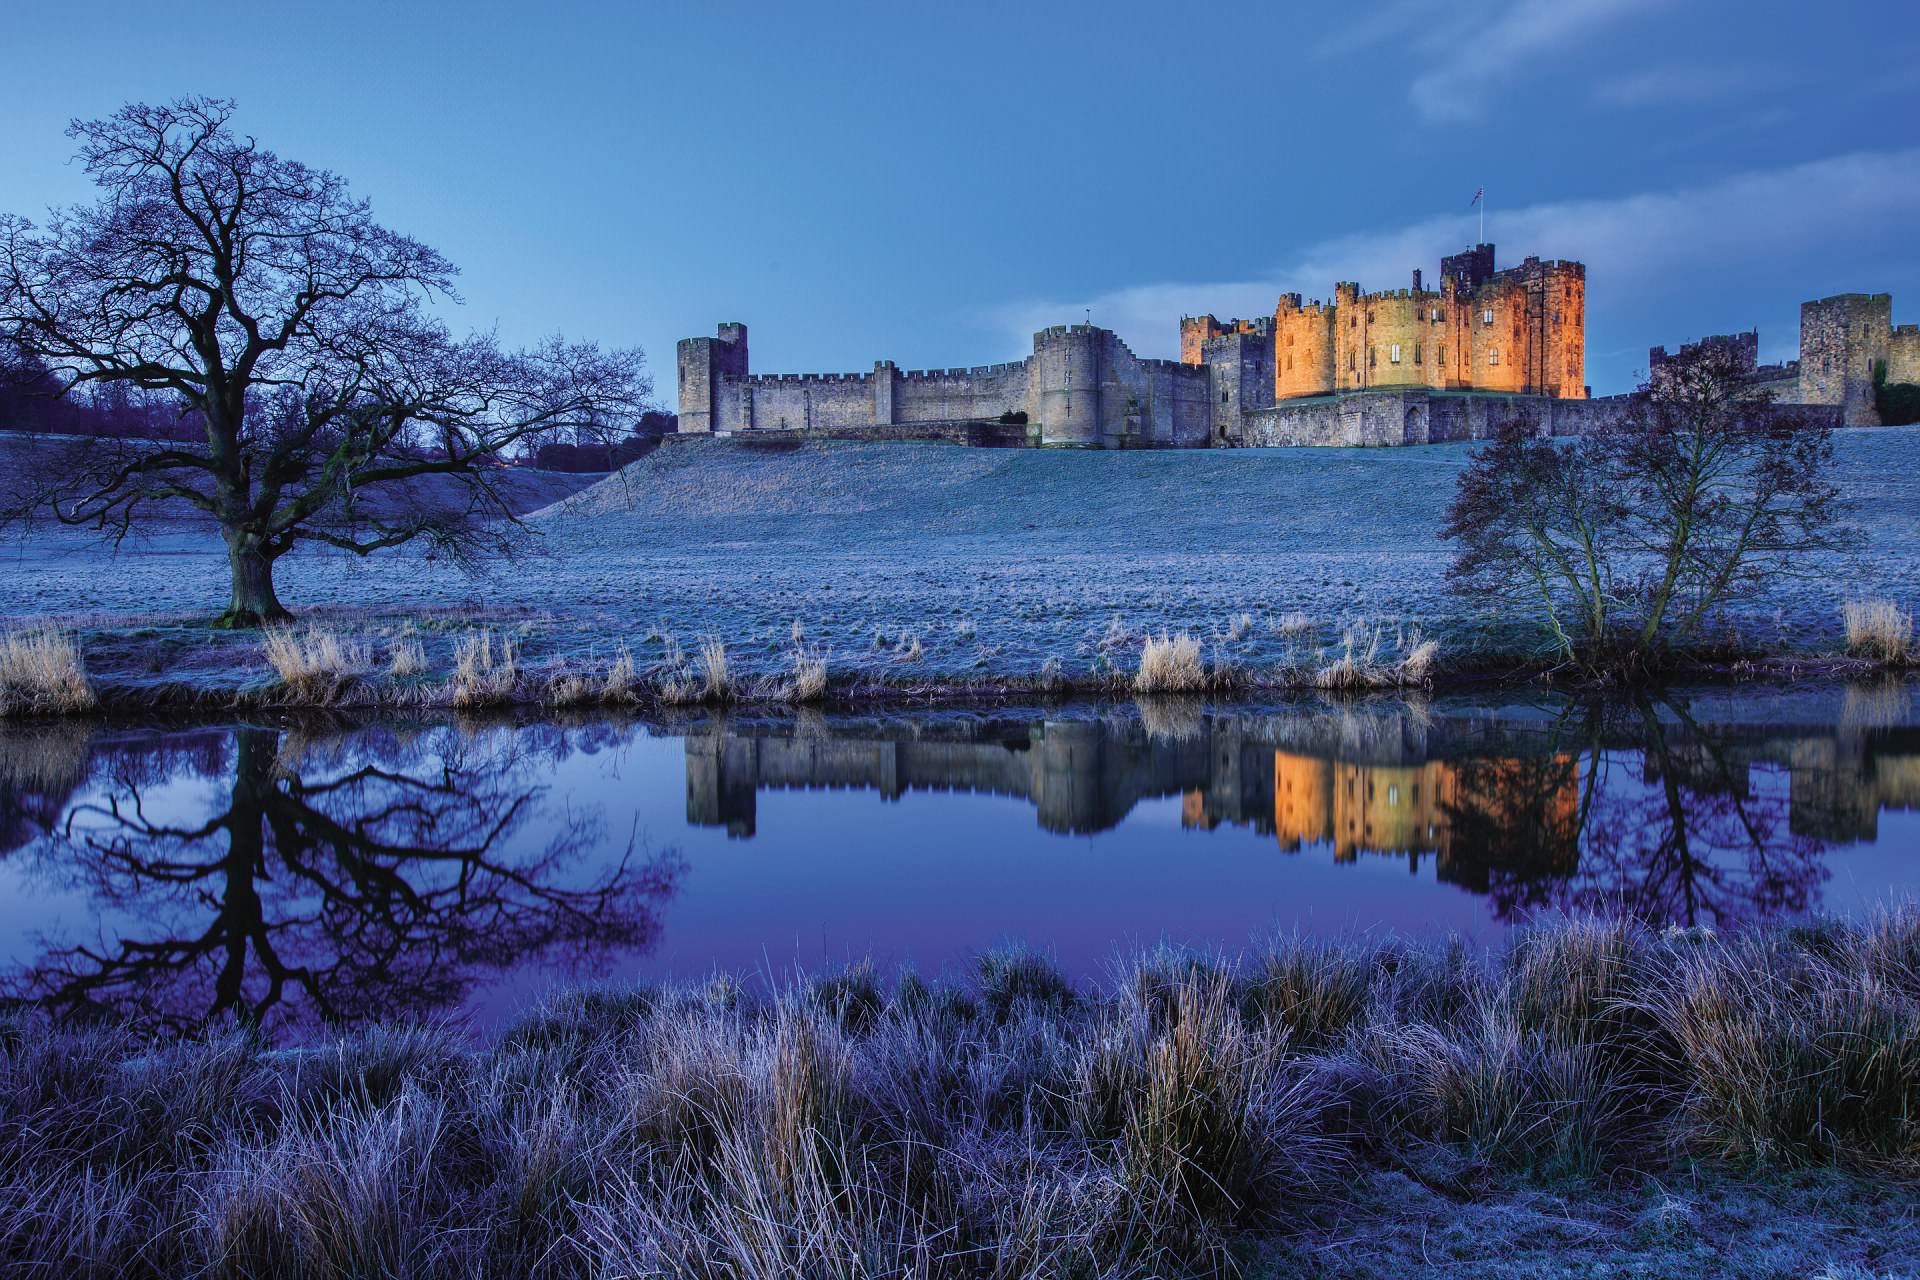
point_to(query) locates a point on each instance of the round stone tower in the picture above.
(1066, 377)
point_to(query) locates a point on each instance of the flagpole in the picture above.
(1483, 217)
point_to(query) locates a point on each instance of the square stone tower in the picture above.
(1842, 338)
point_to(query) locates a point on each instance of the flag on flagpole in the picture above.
(1477, 196)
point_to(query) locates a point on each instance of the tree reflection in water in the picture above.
(332, 890)
(1690, 840)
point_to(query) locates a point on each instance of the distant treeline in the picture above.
(31, 401)
(607, 455)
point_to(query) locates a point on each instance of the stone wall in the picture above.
(805, 401)
(944, 395)
(1381, 419)
(1903, 355)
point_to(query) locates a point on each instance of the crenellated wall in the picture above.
(950, 395)
(1082, 386)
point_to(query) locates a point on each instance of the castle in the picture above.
(1486, 349)
(1449, 363)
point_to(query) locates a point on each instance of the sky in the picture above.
(930, 184)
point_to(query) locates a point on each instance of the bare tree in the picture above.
(1625, 543)
(294, 333)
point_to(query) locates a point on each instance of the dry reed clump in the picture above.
(484, 675)
(41, 673)
(316, 666)
(619, 684)
(1013, 1125)
(709, 681)
(808, 682)
(1368, 661)
(1879, 629)
(1170, 664)
(407, 656)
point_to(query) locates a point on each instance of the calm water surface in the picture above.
(301, 872)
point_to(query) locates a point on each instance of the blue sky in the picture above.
(931, 184)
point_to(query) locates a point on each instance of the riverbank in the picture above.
(453, 659)
(1596, 1096)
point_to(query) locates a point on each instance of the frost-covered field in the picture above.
(992, 560)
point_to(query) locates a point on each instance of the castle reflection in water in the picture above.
(1459, 789)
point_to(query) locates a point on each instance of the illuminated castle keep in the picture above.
(1521, 331)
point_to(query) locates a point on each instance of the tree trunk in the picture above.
(253, 604)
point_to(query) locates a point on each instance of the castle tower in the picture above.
(704, 365)
(1841, 340)
(1303, 347)
(1239, 377)
(1066, 381)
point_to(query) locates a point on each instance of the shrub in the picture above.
(41, 673)
(1898, 402)
(1879, 629)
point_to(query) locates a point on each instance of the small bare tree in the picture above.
(293, 333)
(1627, 541)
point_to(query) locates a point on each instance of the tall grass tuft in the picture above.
(316, 666)
(407, 657)
(41, 673)
(717, 684)
(1218, 1125)
(1879, 629)
(483, 675)
(1799, 1049)
(1170, 664)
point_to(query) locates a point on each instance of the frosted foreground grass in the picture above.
(1595, 1096)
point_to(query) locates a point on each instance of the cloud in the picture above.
(1511, 42)
(1674, 83)
(1396, 20)
(1649, 243)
